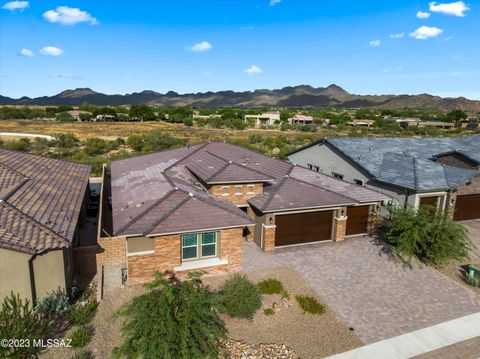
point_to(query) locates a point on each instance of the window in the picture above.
(251, 189)
(316, 168)
(337, 175)
(238, 190)
(199, 245)
(225, 190)
(359, 182)
(310, 167)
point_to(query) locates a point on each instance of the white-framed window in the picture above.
(337, 175)
(316, 168)
(238, 190)
(359, 182)
(225, 190)
(199, 245)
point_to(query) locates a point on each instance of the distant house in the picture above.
(402, 121)
(264, 119)
(469, 124)
(361, 123)
(192, 208)
(76, 114)
(438, 124)
(106, 118)
(301, 119)
(41, 208)
(443, 172)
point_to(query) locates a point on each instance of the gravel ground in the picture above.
(310, 336)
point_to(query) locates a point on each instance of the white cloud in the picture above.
(16, 5)
(455, 8)
(374, 43)
(448, 38)
(397, 36)
(423, 15)
(51, 51)
(425, 32)
(26, 52)
(274, 2)
(200, 46)
(65, 15)
(253, 70)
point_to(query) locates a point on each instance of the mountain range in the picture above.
(332, 96)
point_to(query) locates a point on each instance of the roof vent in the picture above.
(230, 162)
(190, 194)
(286, 176)
(175, 188)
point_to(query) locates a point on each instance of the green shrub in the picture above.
(285, 294)
(81, 336)
(240, 297)
(81, 315)
(426, 234)
(268, 311)
(473, 280)
(309, 304)
(18, 320)
(270, 286)
(173, 319)
(56, 303)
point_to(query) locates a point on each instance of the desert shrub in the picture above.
(95, 146)
(473, 280)
(65, 140)
(180, 313)
(270, 286)
(22, 144)
(240, 297)
(18, 320)
(188, 122)
(56, 303)
(426, 234)
(81, 336)
(268, 311)
(309, 304)
(82, 314)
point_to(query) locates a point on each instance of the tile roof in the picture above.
(410, 162)
(40, 201)
(161, 192)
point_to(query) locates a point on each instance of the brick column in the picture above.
(268, 237)
(340, 225)
(374, 220)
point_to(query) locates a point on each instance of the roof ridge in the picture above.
(184, 158)
(168, 214)
(325, 189)
(14, 189)
(216, 173)
(145, 211)
(270, 199)
(415, 174)
(37, 223)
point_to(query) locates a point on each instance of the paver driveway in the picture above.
(375, 295)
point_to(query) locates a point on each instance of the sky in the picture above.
(366, 47)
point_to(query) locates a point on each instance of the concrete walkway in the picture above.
(420, 341)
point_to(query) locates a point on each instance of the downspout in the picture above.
(32, 274)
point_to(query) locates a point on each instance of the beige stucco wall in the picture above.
(50, 272)
(14, 274)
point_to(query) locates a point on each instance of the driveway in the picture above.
(375, 295)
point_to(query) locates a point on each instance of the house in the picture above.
(192, 208)
(403, 121)
(361, 123)
(41, 209)
(469, 124)
(77, 114)
(264, 119)
(301, 119)
(443, 172)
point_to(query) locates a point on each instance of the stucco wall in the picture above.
(329, 161)
(50, 272)
(14, 274)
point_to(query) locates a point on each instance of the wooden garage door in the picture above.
(467, 207)
(303, 228)
(357, 220)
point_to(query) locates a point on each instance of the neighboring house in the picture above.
(76, 114)
(191, 208)
(361, 123)
(264, 119)
(443, 172)
(301, 119)
(41, 208)
(403, 121)
(469, 124)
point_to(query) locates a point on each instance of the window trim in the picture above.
(199, 246)
(238, 190)
(225, 191)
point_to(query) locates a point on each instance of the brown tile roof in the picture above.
(40, 201)
(152, 194)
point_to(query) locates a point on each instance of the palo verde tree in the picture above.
(426, 234)
(173, 319)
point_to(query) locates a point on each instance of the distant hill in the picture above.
(291, 96)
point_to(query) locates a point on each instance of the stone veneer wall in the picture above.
(217, 190)
(339, 228)
(112, 252)
(269, 237)
(167, 256)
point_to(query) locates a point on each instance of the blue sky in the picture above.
(125, 46)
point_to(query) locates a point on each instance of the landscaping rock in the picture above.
(276, 307)
(286, 303)
(238, 349)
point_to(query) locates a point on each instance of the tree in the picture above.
(64, 117)
(456, 115)
(173, 319)
(142, 113)
(426, 234)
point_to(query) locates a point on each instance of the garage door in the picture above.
(467, 207)
(357, 220)
(303, 228)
